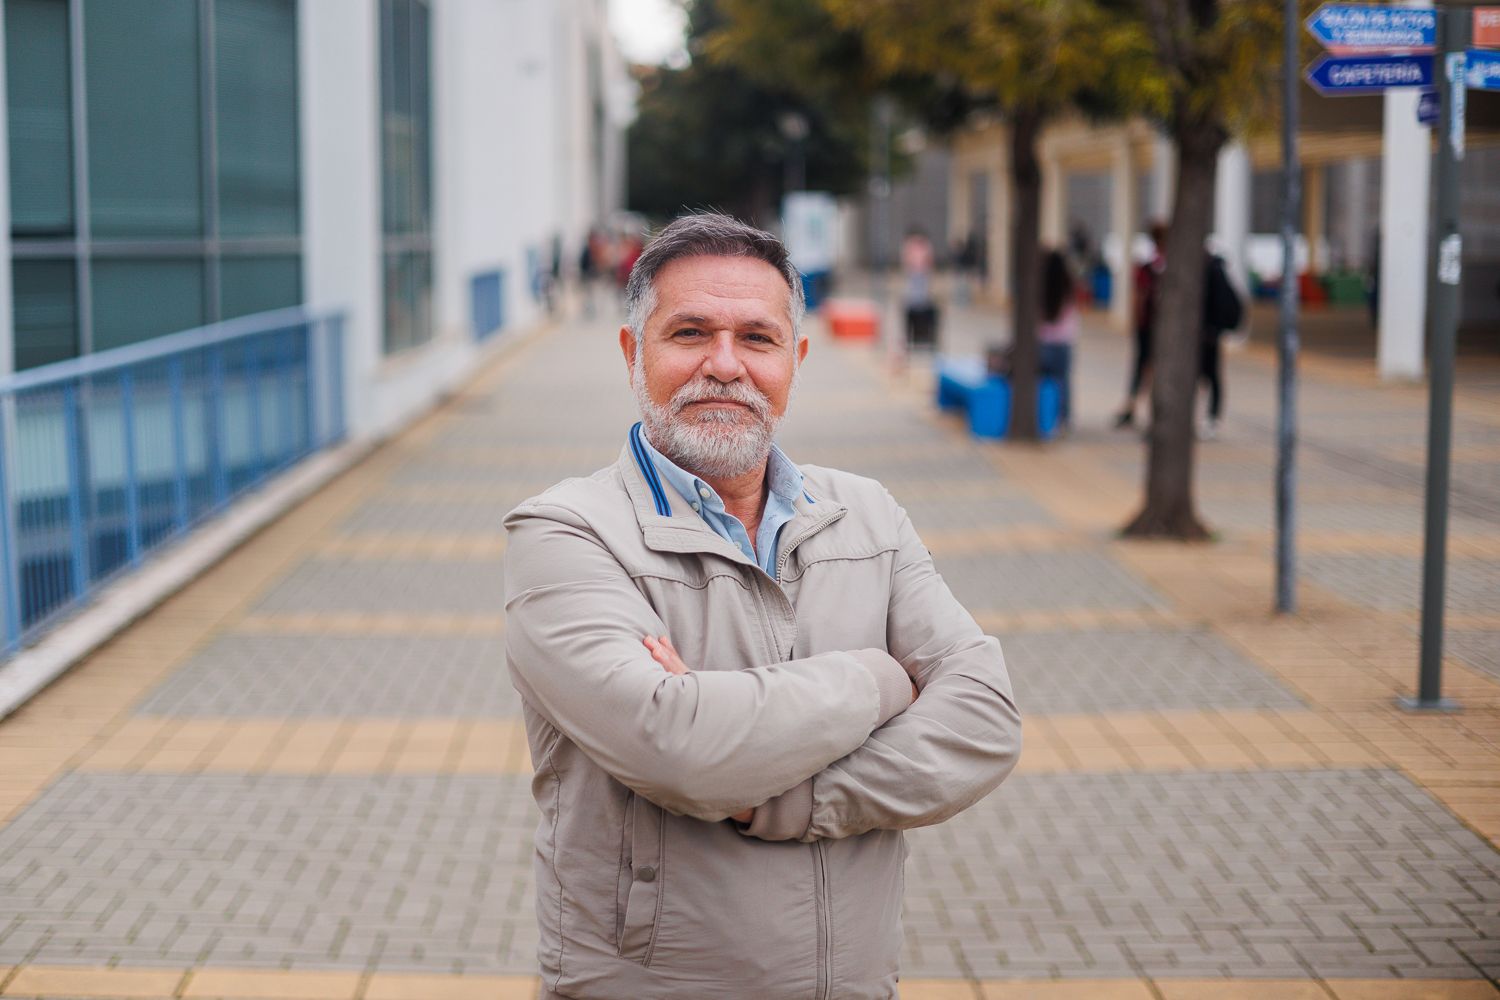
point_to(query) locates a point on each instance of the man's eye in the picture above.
(688, 332)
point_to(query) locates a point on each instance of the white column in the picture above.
(997, 240)
(338, 56)
(1232, 211)
(1123, 223)
(1315, 215)
(959, 217)
(1404, 170)
(1163, 178)
(1054, 201)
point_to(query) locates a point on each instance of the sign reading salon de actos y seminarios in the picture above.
(1343, 28)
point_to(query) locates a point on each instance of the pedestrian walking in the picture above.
(1058, 332)
(590, 268)
(917, 262)
(1147, 281)
(1222, 312)
(742, 678)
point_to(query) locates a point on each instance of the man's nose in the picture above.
(723, 361)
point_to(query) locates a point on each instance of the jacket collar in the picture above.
(668, 524)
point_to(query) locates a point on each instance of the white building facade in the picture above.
(422, 165)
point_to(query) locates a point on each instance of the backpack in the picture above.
(1222, 309)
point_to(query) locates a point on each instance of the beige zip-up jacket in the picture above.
(797, 704)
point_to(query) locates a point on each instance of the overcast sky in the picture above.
(648, 30)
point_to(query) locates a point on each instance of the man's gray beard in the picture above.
(718, 444)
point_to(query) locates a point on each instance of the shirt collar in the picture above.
(782, 476)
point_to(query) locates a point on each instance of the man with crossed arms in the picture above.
(741, 678)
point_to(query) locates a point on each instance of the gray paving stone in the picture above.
(336, 675)
(393, 585)
(1113, 875)
(1120, 670)
(1063, 875)
(287, 906)
(1050, 581)
(1479, 648)
(1394, 583)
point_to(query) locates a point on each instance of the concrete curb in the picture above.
(165, 573)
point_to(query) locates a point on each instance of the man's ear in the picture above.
(802, 343)
(627, 348)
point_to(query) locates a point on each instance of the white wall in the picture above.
(338, 56)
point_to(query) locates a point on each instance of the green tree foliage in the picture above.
(709, 134)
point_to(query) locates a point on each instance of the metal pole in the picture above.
(1286, 341)
(1442, 331)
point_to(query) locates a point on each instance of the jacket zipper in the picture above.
(820, 860)
(825, 923)
(786, 550)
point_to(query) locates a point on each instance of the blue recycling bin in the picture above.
(989, 407)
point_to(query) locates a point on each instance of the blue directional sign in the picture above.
(1428, 107)
(1483, 71)
(1347, 27)
(1348, 76)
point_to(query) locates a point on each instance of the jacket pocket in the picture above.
(638, 896)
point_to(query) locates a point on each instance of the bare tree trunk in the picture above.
(1026, 273)
(1170, 510)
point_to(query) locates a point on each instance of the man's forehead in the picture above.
(704, 287)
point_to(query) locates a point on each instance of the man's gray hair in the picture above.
(707, 234)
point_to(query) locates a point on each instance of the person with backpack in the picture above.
(1222, 311)
(1058, 332)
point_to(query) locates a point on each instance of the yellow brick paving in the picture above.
(1337, 658)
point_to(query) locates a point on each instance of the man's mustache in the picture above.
(704, 390)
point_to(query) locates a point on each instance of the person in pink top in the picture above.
(1058, 332)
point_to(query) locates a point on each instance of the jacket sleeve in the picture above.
(949, 749)
(706, 744)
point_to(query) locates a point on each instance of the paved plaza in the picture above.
(305, 775)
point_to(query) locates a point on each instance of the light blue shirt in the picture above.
(785, 481)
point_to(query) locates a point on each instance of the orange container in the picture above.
(852, 319)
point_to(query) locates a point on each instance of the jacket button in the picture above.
(645, 873)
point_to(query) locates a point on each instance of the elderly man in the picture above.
(741, 678)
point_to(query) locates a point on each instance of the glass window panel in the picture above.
(39, 116)
(139, 299)
(141, 63)
(255, 62)
(395, 121)
(259, 284)
(408, 300)
(421, 118)
(46, 311)
(397, 308)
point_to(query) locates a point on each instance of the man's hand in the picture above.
(664, 653)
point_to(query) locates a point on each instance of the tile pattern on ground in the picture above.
(1479, 648)
(1117, 670)
(1012, 581)
(340, 676)
(417, 872)
(394, 585)
(1394, 582)
(1269, 873)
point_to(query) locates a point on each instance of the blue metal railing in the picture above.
(107, 456)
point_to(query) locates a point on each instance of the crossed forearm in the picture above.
(665, 654)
